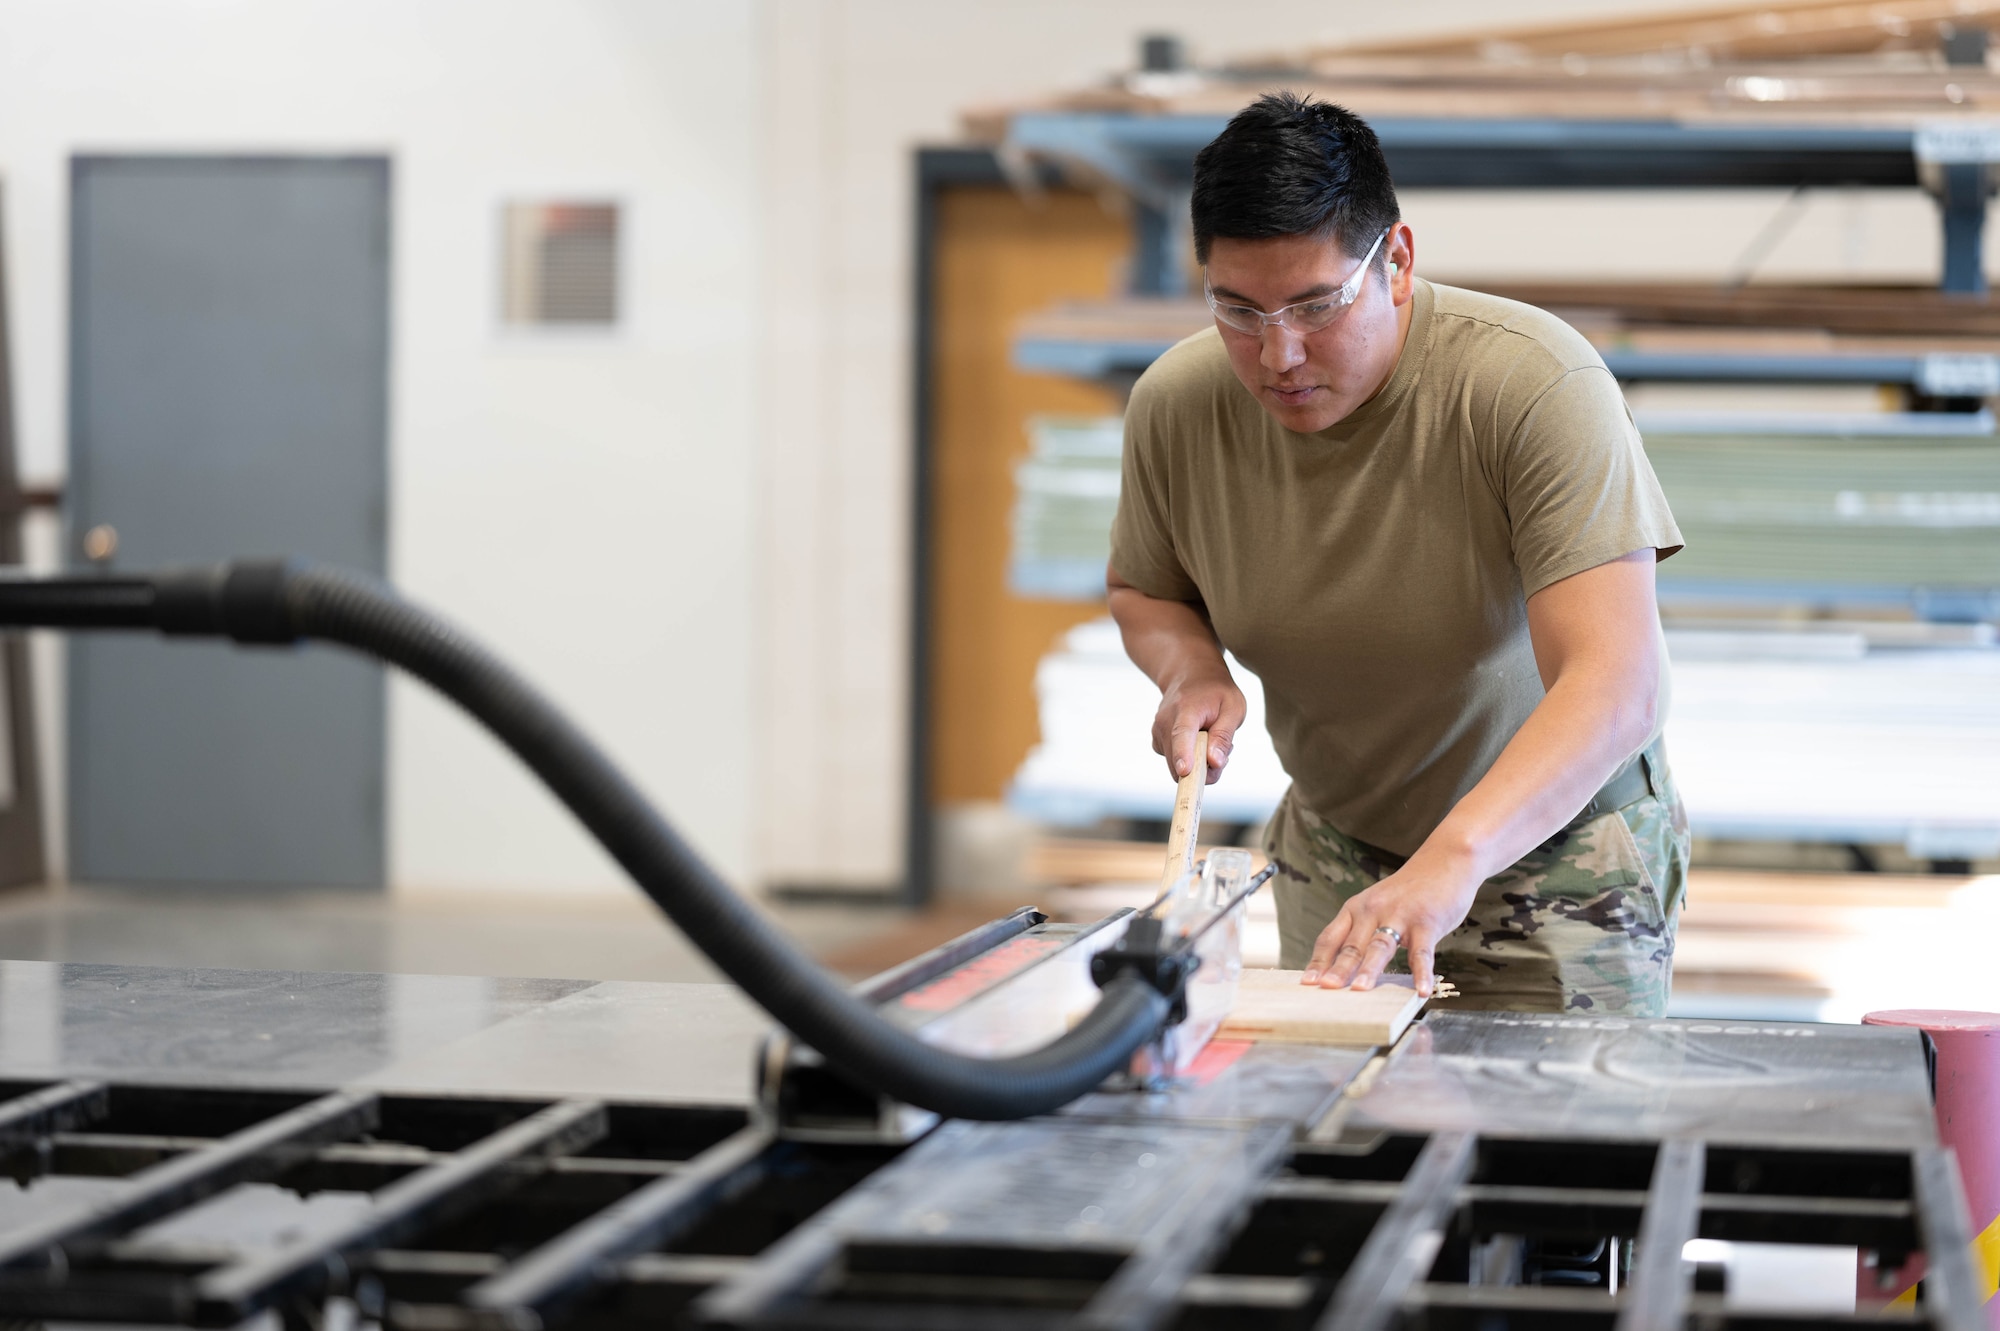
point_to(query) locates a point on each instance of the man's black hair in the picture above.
(1287, 165)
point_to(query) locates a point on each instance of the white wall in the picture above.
(584, 504)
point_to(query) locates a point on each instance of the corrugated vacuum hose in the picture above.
(278, 603)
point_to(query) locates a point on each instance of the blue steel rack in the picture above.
(1937, 373)
(1151, 158)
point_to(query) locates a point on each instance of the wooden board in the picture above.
(1272, 1005)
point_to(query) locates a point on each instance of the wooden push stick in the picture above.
(1187, 816)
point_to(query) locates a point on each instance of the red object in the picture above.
(1214, 1060)
(975, 977)
(1968, 1116)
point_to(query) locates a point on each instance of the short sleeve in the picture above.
(1577, 487)
(1142, 535)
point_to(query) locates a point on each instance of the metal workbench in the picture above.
(459, 1154)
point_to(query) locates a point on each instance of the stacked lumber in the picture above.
(1901, 92)
(1131, 319)
(1802, 511)
(1878, 63)
(1783, 30)
(1889, 64)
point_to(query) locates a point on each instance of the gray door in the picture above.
(228, 397)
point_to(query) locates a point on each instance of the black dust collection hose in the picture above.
(285, 602)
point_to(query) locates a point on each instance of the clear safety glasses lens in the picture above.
(1307, 316)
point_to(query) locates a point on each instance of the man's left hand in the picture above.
(1419, 903)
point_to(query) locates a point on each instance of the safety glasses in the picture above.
(1307, 316)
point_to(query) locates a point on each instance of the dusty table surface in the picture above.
(629, 1040)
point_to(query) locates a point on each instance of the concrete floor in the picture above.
(592, 936)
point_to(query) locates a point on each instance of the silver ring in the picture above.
(1385, 929)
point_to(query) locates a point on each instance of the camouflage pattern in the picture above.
(1584, 923)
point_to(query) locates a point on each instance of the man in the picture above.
(1423, 517)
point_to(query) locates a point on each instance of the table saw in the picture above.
(953, 1143)
(430, 1153)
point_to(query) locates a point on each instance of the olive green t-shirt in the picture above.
(1375, 574)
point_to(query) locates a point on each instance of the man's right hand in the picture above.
(1209, 701)
(1173, 642)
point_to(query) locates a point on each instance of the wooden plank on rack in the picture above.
(1908, 311)
(1894, 88)
(1772, 29)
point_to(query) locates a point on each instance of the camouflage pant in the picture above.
(1582, 923)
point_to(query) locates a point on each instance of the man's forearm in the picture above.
(1169, 640)
(1589, 721)
(1173, 642)
(1597, 645)
(1565, 751)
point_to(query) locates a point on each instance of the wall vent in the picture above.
(559, 264)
